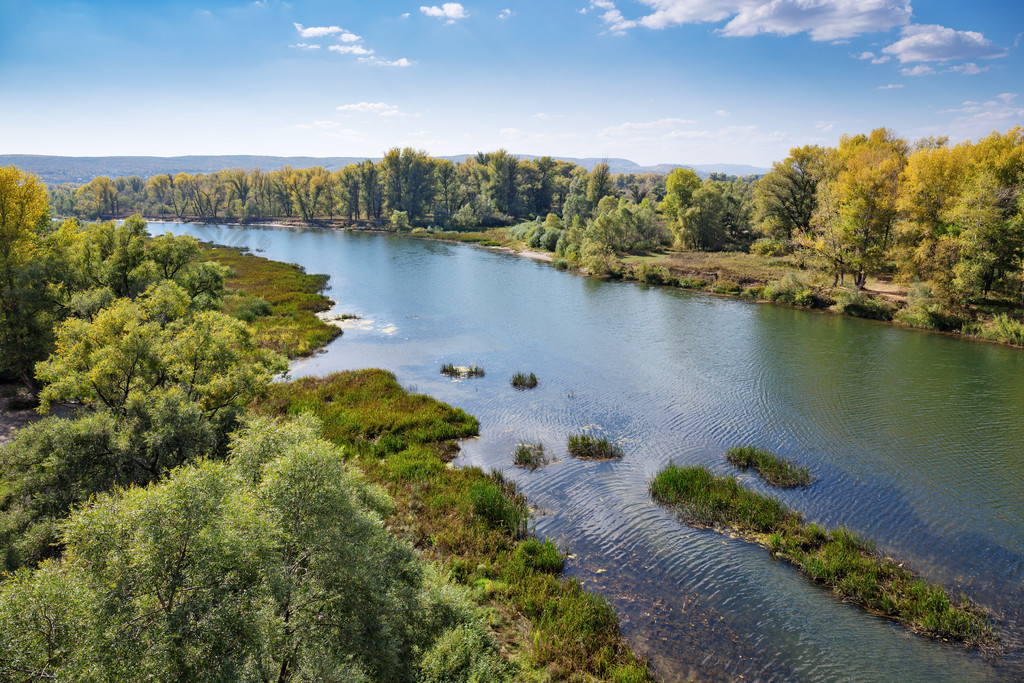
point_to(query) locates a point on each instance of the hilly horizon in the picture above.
(53, 169)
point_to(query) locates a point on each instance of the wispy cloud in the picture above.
(351, 49)
(891, 86)
(305, 46)
(318, 31)
(506, 14)
(401, 62)
(826, 20)
(379, 108)
(449, 11)
(934, 43)
(976, 119)
(875, 59)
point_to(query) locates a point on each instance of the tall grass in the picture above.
(591, 448)
(521, 380)
(530, 455)
(452, 370)
(839, 559)
(773, 469)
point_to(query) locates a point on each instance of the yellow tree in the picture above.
(24, 323)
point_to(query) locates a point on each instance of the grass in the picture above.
(469, 523)
(592, 448)
(530, 455)
(773, 469)
(453, 370)
(839, 559)
(278, 300)
(521, 380)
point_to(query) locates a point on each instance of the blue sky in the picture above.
(680, 81)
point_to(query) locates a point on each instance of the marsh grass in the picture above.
(530, 455)
(470, 523)
(592, 448)
(773, 469)
(452, 370)
(278, 300)
(521, 380)
(849, 565)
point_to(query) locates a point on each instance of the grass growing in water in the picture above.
(773, 469)
(530, 455)
(278, 300)
(521, 380)
(839, 559)
(591, 448)
(468, 522)
(452, 370)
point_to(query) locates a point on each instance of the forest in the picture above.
(942, 222)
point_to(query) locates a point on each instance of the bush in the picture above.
(530, 456)
(688, 282)
(645, 272)
(860, 305)
(1004, 329)
(248, 308)
(561, 264)
(726, 287)
(929, 316)
(767, 246)
(464, 654)
(790, 291)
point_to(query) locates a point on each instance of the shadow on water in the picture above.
(914, 440)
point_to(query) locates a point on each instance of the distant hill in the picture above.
(58, 169)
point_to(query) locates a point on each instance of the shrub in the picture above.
(929, 316)
(767, 246)
(860, 305)
(645, 272)
(726, 287)
(790, 291)
(688, 282)
(249, 308)
(591, 448)
(561, 264)
(464, 654)
(1004, 329)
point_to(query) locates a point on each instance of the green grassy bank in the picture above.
(471, 524)
(839, 559)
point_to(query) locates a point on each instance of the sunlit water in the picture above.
(915, 441)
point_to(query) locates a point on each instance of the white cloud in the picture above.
(379, 108)
(404, 15)
(318, 31)
(977, 119)
(321, 125)
(968, 69)
(919, 70)
(824, 126)
(347, 37)
(305, 46)
(629, 128)
(451, 11)
(541, 116)
(350, 49)
(723, 113)
(828, 20)
(891, 86)
(402, 62)
(875, 59)
(506, 14)
(934, 43)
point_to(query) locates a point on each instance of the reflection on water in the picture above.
(914, 439)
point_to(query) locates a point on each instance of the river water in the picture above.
(915, 440)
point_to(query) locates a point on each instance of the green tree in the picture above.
(786, 197)
(680, 184)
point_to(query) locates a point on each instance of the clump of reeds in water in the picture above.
(839, 559)
(592, 448)
(452, 370)
(530, 455)
(521, 380)
(773, 469)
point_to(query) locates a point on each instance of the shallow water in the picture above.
(915, 441)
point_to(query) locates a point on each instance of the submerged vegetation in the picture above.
(521, 380)
(773, 469)
(839, 559)
(592, 448)
(452, 370)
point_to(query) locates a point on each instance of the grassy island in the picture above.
(839, 559)
(773, 469)
(592, 448)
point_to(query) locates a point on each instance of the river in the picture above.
(916, 441)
